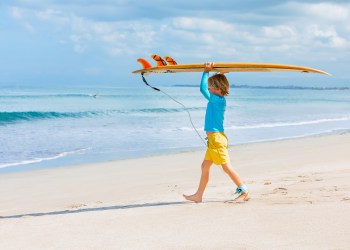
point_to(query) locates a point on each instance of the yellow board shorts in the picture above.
(217, 151)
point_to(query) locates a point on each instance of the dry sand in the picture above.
(300, 192)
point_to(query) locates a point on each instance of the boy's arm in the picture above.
(208, 66)
(204, 85)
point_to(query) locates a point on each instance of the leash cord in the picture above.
(189, 115)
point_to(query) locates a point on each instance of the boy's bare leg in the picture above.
(236, 179)
(197, 197)
(233, 174)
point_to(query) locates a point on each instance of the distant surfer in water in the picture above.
(214, 89)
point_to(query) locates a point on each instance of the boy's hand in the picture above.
(208, 66)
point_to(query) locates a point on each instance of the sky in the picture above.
(99, 41)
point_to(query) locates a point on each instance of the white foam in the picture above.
(276, 124)
(37, 160)
(288, 124)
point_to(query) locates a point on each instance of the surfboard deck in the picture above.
(224, 67)
(230, 67)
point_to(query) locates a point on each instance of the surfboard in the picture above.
(169, 65)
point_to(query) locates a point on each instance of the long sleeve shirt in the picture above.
(214, 116)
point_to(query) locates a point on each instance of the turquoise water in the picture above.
(59, 126)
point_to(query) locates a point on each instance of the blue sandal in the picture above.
(242, 191)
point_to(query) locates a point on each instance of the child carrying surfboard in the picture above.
(214, 89)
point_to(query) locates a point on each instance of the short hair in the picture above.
(219, 81)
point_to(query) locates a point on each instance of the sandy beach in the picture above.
(300, 199)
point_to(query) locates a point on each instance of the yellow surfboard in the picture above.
(223, 67)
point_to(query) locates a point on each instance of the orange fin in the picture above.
(144, 63)
(170, 60)
(159, 60)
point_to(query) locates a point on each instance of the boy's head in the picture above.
(220, 83)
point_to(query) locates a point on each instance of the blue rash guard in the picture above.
(214, 116)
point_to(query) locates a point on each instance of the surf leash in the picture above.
(144, 80)
(189, 115)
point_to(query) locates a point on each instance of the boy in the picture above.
(214, 89)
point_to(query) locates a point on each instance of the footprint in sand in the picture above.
(329, 189)
(280, 190)
(76, 206)
(172, 187)
(305, 178)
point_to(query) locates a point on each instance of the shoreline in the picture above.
(299, 200)
(62, 163)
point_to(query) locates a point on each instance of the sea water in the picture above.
(47, 126)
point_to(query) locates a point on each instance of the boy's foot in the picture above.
(243, 196)
(193, 197)
(242, 193)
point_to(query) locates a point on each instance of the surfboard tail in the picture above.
(159, 60)
(145, 64)
(170, 60)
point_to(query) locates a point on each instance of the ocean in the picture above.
(48, 126)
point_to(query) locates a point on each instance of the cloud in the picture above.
(79, 48)
(279, 32)
(29, 27)
(327, 36)
(328, 11)
(16, 13)
(20, 15)
(252, 30)
(202, 24)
